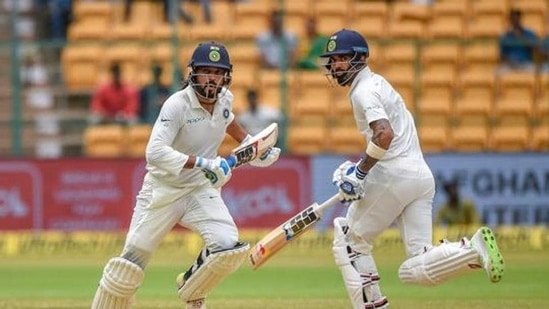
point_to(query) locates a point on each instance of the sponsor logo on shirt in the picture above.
(195, 120)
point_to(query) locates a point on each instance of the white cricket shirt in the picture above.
(373, 98)
(184, 128)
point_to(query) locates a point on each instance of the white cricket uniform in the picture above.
(400, 185)
(172, 195)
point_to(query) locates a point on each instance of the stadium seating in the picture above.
(330, 17)
(105, 141)
(137, 137)
(81, 65)
(511, 137)
(344, 138)
(540, 138)
(307, 136)
(434, 137)
(313, 96)
(476, 96)
(448, 80)
(516, 94)
(375, 26)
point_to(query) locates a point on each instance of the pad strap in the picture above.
(204, 275)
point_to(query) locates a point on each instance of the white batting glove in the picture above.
(269, 157)
(340, 171)
(351, 184)
(218, 170)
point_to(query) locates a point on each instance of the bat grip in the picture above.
(232, 161)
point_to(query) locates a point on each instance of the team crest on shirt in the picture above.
(226, 113)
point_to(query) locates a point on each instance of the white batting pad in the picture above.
(358, 270)
(211, 272)
(117, 288)
(439, 264)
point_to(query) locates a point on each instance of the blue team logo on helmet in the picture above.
(346, 42)
(211, 54)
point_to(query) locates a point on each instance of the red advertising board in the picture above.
(266, 197)
(87, 194)
(84, 194)
(20, 196)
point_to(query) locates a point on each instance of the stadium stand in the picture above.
(105, 141)
(442, 58)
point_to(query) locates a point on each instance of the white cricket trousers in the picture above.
(201, 210)
(399, 189)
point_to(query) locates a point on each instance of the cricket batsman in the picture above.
(183, 149)
(392, 183)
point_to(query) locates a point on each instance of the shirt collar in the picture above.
(365, 73)
(191, 96)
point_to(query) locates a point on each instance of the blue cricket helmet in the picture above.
(345, 42)
(211, 54)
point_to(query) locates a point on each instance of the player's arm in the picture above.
(381, 140)
(236, 131)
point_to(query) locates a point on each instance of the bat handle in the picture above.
(232, 161)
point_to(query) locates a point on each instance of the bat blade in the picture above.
(254, 147)
(291, 229)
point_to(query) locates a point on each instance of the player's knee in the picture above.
(222, 241)
(121, 277)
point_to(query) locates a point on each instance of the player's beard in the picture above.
(208, 91)
(342, 77)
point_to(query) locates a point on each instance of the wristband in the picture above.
(199, 162)
(375, 151)
(360, 174)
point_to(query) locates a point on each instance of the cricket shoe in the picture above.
(192, 304)
(484, 242)
(381, 303)
(197, 304)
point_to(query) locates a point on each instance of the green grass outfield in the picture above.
(294, 279)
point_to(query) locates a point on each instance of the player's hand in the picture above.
(340, 171)
(217, 170)
(269, 157)
(351, 184)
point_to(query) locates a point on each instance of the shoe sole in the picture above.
(496, 265)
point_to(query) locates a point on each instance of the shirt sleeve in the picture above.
(160, 151)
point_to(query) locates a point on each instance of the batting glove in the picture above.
(351, 186)
(269, 157)
(340, 171)
(218, 170)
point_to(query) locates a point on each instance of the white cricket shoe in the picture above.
(484, 242)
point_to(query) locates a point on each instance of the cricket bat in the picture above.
(288, 231)
(254, 147)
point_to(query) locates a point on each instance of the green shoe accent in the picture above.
(484, 242)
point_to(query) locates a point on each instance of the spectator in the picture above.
(544, 49)
(168, 9)
(277, 46)
(316, 46)
(257, 117)
(456, 211)
(517, 45)
(115, 101)
(57, 15)
(152, 96)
